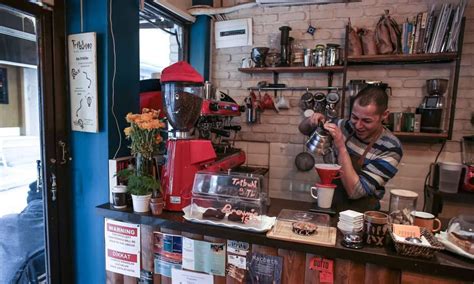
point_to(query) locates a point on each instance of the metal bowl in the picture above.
(436, 87)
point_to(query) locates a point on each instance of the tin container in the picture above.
(308, 57)
(332, 54)
(319, 56)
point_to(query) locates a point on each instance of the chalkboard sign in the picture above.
(238, 185)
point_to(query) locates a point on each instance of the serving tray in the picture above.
(193, 213)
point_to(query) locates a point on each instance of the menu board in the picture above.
(82, 51)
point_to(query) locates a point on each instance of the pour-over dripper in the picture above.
(328, 172)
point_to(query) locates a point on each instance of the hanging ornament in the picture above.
(311, 30)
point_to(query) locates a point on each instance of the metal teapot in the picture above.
(320, 142)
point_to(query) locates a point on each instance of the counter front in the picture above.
(381, 265)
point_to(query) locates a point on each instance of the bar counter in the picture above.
(381, 263)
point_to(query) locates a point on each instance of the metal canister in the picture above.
(319, 56)
(332, 54)
(308, 54)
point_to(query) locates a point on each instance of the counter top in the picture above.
(443, 264)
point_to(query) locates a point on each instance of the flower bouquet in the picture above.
(145, 135)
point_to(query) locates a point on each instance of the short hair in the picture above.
(373, 95)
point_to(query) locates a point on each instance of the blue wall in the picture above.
(91, 151)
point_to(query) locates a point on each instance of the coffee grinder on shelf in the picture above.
(431, 109)
(182, 93)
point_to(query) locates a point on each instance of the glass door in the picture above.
(33, 148)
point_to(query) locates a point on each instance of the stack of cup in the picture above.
(351, 224)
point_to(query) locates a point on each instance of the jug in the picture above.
(320, 142)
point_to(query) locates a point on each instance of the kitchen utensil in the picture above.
(304, 161)
(375, 226)
(324, 194)
(320, 142)
(259, 55)
(319, 99)
(319, 56)
(449, 176)
(282, 103)
(332, 54)
(402, 203)
(285, 46)
(461, 232)
(436, 87)
(269, 103)
(426, 220)
(328, 172)
(306, 101)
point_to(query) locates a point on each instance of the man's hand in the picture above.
(336, 134)
(316, 118)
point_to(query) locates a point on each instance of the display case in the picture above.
(232, 199)
(303, 227)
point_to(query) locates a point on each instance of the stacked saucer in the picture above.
(351, 224)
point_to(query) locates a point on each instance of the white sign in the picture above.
(82, 49)
(233, 33)
(179, 276)
(122, 248)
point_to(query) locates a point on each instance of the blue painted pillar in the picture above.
(199, 42)
(91, 151)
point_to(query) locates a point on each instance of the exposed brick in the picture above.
(318, 14)
(414, 83)
(346, 13)
(411, 9)
(257, 159)
(263, 19)
(402, 73)
(258, 148)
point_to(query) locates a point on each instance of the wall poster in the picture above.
(122, 248)
(82, 50)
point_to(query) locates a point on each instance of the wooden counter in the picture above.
(444, 267)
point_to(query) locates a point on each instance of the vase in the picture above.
(144, 166)
(141, 203)
(157, 204)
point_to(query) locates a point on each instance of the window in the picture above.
(163, 40)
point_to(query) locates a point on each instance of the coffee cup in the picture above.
(119, 196)
(328, 172)
(426, 220)
(324, 194)
(375, 227)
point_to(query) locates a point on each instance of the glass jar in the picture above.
(402, 203)
(319, 56)
(332, 54)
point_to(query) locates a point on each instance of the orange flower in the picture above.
(128, 131)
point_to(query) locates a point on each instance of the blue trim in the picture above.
(91, 151)
(199, 39)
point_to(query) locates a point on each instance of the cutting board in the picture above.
(282, 230)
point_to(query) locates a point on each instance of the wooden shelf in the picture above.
(403, 58)
(423, 135)
(335, 69)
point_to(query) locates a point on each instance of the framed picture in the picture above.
(3, 86)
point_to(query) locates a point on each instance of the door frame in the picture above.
(53, 102)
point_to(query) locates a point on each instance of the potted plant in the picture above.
(156, 202)
(145, 135)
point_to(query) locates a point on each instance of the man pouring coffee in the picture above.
(367, 152)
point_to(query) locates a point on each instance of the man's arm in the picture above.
(308, 124)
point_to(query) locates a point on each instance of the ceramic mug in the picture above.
(426, 220)
(375, 227)
(324, 194)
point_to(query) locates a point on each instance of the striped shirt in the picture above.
(380, 163)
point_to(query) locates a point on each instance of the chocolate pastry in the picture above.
(234, 217)
(213, 214)
(304, 228)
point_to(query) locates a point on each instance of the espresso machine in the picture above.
(187, 153)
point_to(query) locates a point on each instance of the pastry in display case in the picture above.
(303, 227)
(235, 200)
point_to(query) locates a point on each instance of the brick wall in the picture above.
(277, 136)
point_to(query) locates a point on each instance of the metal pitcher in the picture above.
(320, 142)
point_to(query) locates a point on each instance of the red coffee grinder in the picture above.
(182, 92)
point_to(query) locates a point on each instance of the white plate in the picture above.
(263, 226)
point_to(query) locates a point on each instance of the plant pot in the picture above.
(157, 204)
(141, 203)
(119, 194)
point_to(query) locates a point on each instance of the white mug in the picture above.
(324, 195)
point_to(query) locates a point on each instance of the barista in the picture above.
(367, 152)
